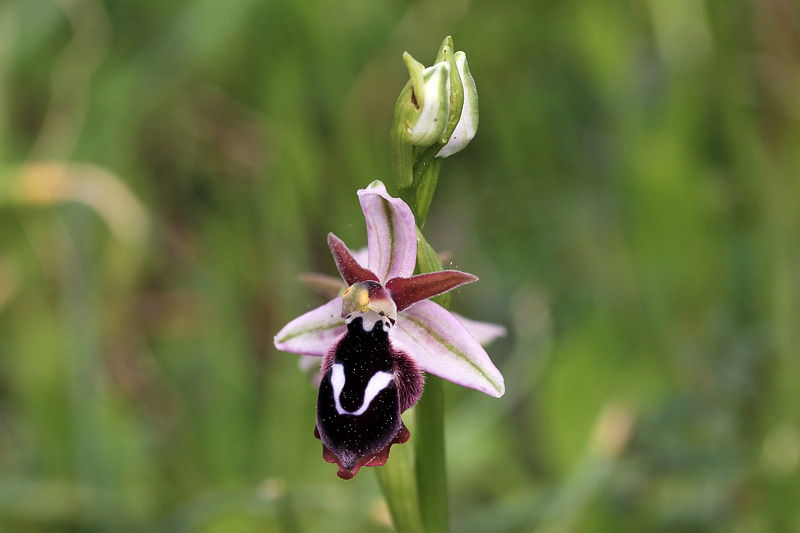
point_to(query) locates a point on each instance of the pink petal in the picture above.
(483, 332)
(441, 345)
(391, 233)
(408, 291)
(351, 271)
(314, 332)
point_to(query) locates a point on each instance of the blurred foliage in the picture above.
(167, 169)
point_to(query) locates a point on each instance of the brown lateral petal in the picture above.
(348, 267)
(408, 291)
(328, 286)
(379, 459)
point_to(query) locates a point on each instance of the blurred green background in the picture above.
(630, 204)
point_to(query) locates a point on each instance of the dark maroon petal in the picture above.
(408, 291)
(348, 267)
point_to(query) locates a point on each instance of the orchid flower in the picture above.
(380, 335)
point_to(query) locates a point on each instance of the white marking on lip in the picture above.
(379, 381)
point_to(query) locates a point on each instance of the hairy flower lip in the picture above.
(378, 459)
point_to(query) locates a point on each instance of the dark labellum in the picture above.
(366, 385)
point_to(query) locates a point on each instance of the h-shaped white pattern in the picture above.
(379, 381)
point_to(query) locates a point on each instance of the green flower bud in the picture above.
(436, 115)
(467, 124)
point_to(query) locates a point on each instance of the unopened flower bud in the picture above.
(467, 125)
(436, 115)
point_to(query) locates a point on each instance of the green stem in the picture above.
(431, 468)
(398, 485)
(421, 164)
(427, 186)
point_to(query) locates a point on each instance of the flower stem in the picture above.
(431, 469)
(396, 479)
(430, 450)
(426, 187)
